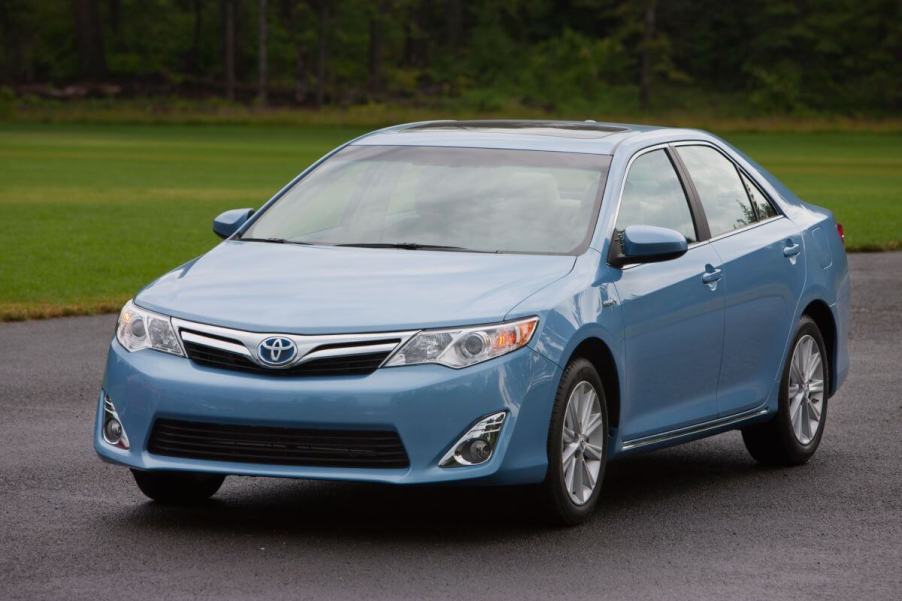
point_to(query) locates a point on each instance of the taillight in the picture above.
(841, 232)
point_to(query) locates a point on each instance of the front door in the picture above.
(672, 311)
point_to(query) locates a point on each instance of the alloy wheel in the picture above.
(806, 389)
(582, 442)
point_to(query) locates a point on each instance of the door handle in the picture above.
(710, 277)
(792, 249)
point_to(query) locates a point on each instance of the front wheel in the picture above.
(577, 445)
(178, 488)
(793, 435)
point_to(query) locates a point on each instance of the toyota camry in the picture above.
(491, 302)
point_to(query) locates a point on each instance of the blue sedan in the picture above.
(503, 302)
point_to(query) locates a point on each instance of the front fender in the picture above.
(583, 306)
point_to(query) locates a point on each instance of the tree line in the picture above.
(837, 56)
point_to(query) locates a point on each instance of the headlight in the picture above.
(461, 347)
(139, 329)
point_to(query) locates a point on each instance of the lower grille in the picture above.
(278, 446)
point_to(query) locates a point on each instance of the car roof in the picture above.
(588, 136)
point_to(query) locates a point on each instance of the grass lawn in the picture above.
(858, 176)
(90, 213)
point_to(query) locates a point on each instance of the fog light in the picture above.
(477, 451)
(113, 431)
(478, 444)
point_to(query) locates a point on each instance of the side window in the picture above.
(653, 195)
(720, 190)
(762, 205)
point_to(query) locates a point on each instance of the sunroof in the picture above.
(565, 129)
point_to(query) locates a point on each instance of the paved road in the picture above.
(700, 521)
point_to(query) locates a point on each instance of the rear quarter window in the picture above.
(720, 190)
(763, 207)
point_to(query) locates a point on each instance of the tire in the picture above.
(590, 452)
(178, 488)
(785, 440)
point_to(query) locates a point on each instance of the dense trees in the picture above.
(785, 55)
(89, 38)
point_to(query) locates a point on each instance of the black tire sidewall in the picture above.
(178, 487)
(567, 511)
(801, 452)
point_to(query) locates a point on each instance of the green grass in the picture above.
(712, 112)
(857, 176)
(90, 213)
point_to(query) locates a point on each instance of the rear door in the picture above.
(672, 311)
(764, 273)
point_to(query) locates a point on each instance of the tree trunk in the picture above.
(377, 25)
(196, 30)
(115, 16)
(15, 66)
(89, 39)
(453, 22)
(417, 36)
(407, 53)
(262, 55)
(323, 56)
(228, 46)
(300, 74)
(647, 58)
(294, 24)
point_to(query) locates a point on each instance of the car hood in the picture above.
(289, 288)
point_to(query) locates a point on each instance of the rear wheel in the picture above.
(577, 445)
(178, 488)
(793, 435)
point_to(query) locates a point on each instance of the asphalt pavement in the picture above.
(700, 521)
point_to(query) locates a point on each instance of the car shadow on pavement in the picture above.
(665, 481)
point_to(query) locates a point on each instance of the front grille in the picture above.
(278, 446)
(348, 365)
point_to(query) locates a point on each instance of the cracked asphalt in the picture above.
(700, 521)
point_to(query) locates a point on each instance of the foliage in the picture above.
(783, 56)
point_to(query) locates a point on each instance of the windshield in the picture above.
(471, 199)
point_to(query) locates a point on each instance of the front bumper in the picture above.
(430, 407)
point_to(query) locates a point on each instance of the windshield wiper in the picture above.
(408, 246)
(274, 241)
(401, 245)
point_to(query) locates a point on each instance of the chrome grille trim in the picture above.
(348, 350)
(245, 343)
(240, 349)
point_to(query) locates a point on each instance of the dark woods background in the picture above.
(750, 57)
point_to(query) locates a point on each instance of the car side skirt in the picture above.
(701, 430)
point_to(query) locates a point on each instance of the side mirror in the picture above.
(230, 222)
(647, 244)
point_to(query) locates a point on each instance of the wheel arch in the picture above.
(599, 354)
(820, 313)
